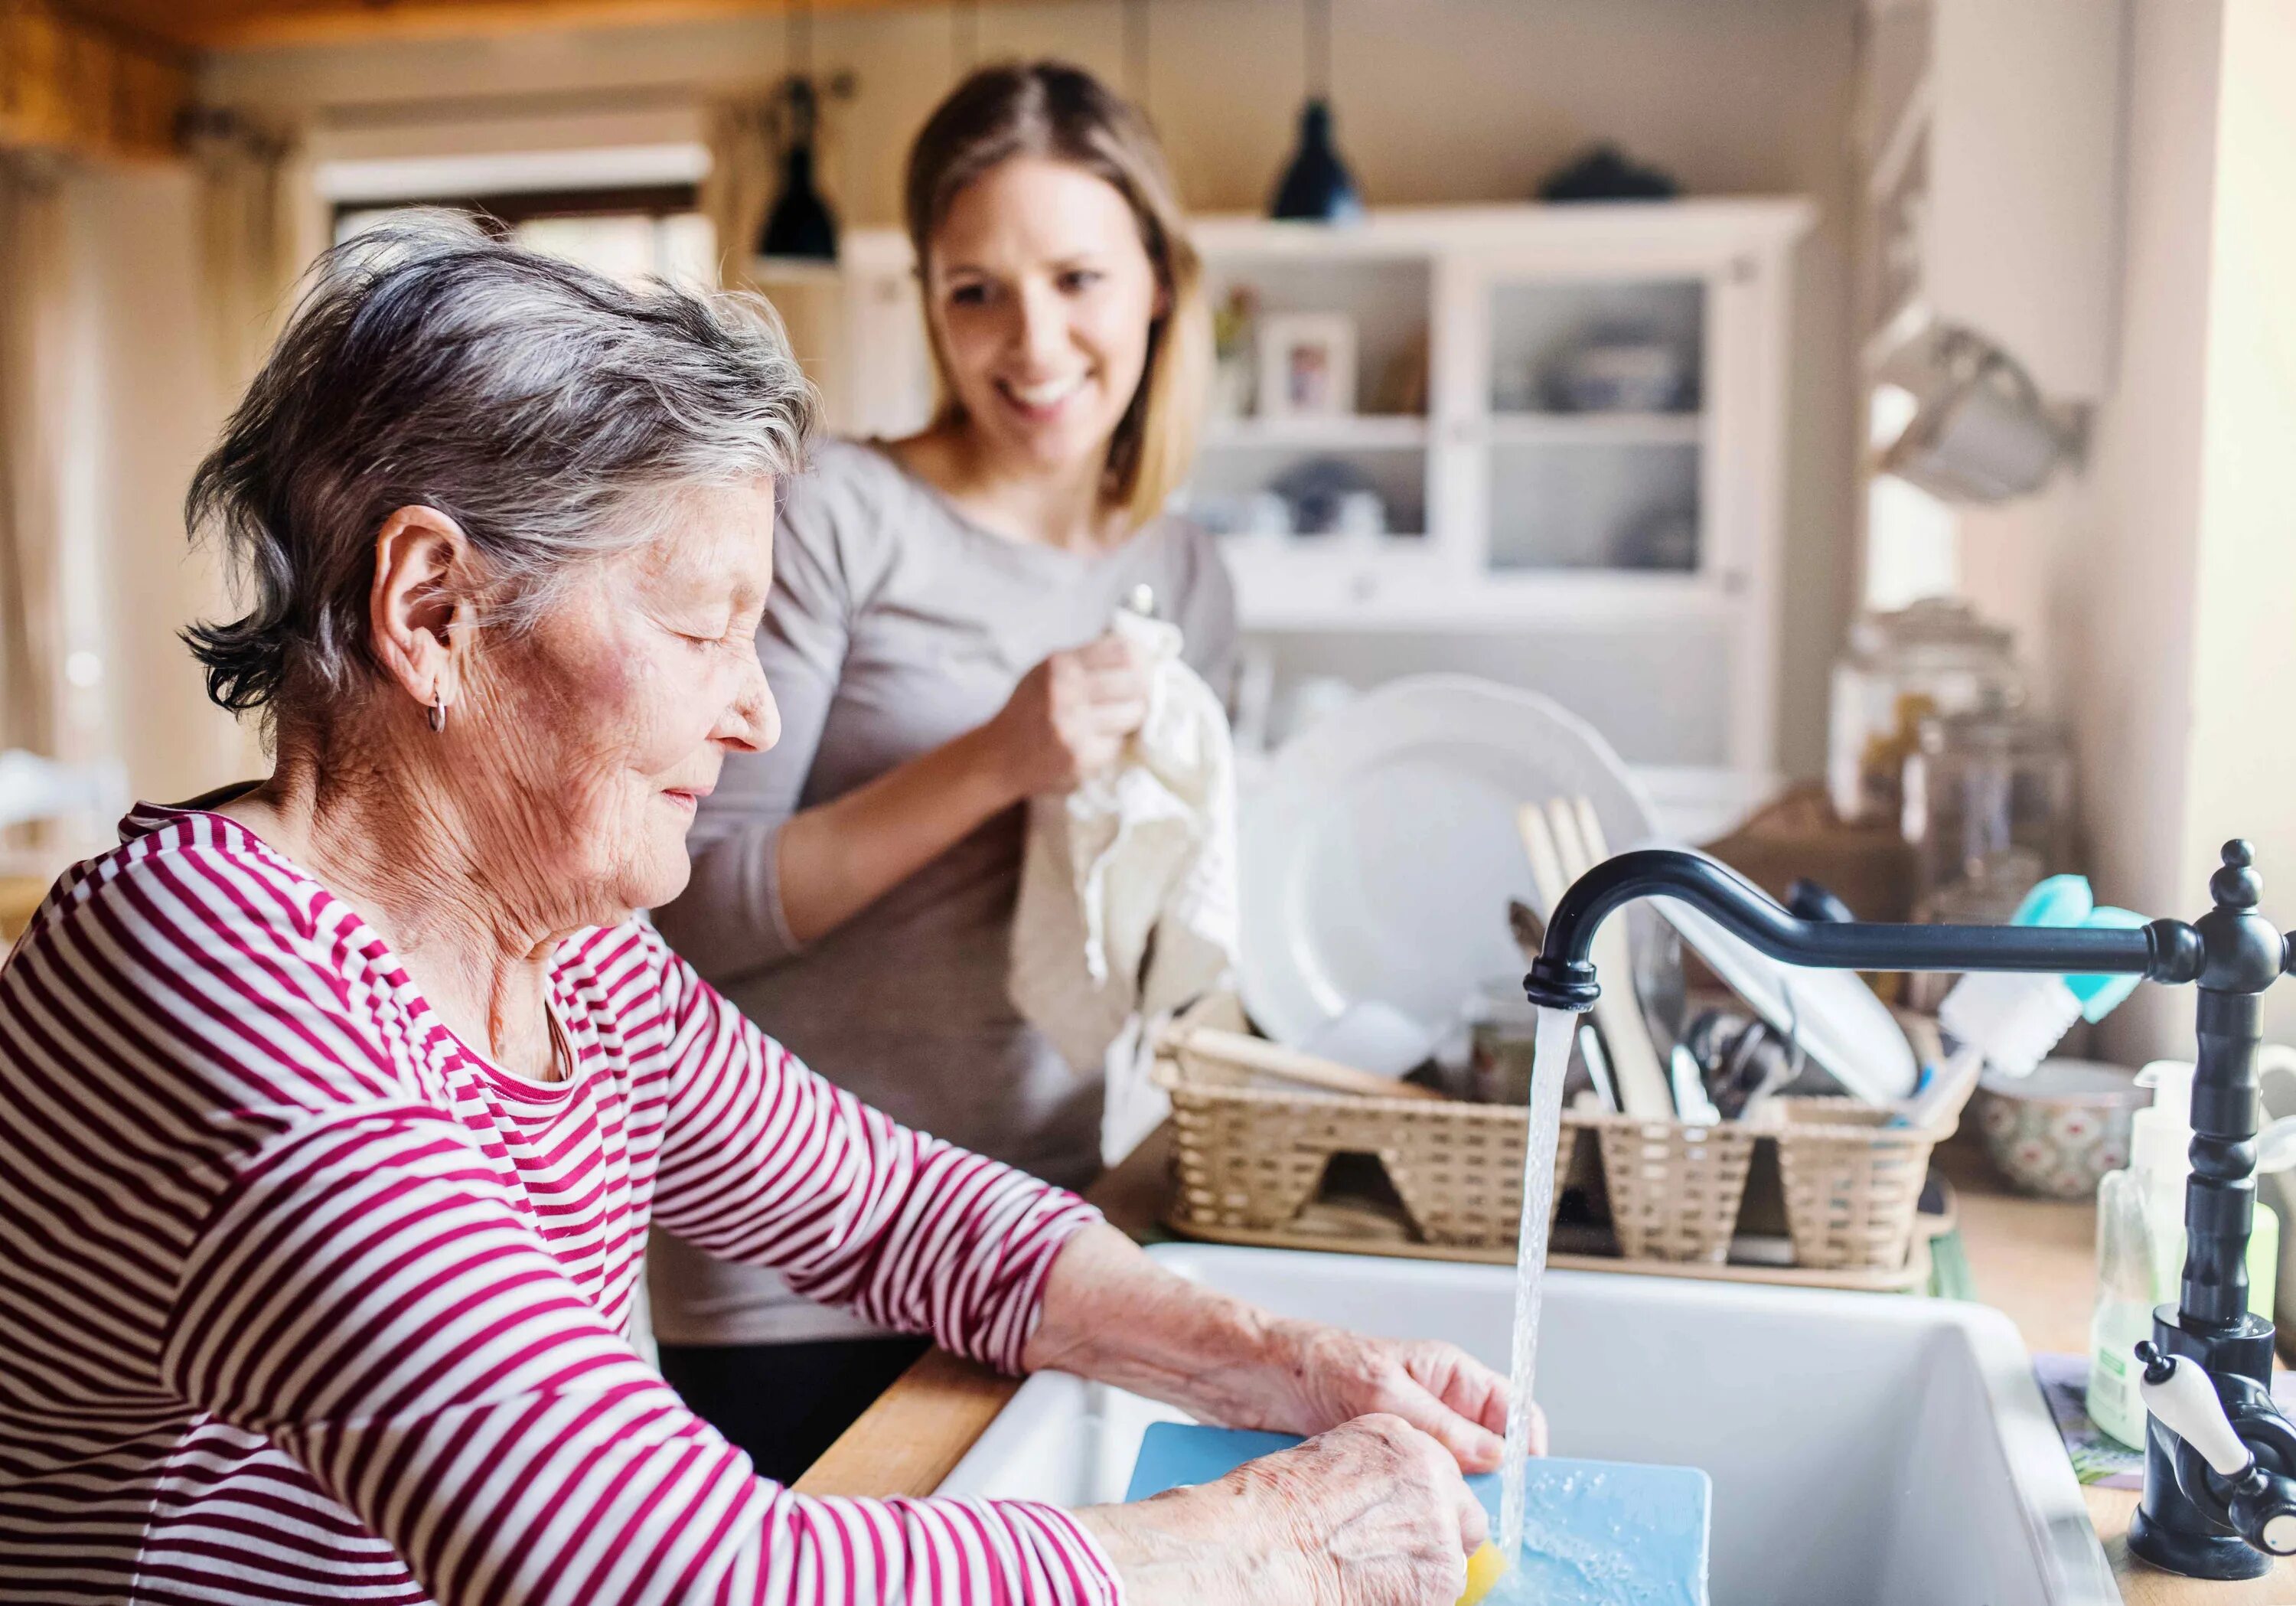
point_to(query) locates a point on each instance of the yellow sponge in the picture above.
(1484, 1569)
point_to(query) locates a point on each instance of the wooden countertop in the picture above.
(19, 896)
(921, 1428)
(2035, 1260)
(2032, 1258)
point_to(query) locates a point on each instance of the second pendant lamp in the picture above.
(1317, 186)
(801, 226)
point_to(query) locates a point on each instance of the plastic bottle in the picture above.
(2140, 1248)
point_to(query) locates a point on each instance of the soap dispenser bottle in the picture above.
(2140, 1243)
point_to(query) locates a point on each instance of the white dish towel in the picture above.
(1147, 846)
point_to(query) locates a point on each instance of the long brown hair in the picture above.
(1051, 109)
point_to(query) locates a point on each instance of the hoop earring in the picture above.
(438, 714)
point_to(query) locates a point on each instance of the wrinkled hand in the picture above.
(1112, 1315)
(1372, 1514)
(1069, 716)
(1327, 1375)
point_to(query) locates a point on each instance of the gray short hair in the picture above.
(538, 404)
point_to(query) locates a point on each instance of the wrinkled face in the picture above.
(613, 715)
(1042, 294)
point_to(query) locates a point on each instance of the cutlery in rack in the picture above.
(1690, 1100)
(1555, 841)
(1598, 1066)
(1529, 932)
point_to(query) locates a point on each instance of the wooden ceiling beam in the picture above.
(248, 24)
(87, 87)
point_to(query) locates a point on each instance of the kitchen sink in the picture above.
(1864, 1447)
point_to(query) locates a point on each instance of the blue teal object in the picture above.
(2066, 900)
(2059, 901)
(1595, 1533)
(2100, 996)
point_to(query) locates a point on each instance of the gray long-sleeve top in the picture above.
(895, 625)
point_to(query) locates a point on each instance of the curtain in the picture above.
(249, 243)
(34, 295)
(741, 186)
(259, 227)
(61, 493)
(744, 180)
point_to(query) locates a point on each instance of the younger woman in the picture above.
(937, 640)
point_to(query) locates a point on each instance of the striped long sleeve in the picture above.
(316, 1304)
(767, 1163)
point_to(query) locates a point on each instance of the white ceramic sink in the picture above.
(1863, 1448)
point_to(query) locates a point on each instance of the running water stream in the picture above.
(1550, 1059)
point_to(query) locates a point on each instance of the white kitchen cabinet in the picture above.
(1637, 550)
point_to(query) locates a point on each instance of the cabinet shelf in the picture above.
(1354, 431)
(1609, 429)
(1405, 583)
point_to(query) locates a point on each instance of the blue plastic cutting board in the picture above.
(1595, 1533)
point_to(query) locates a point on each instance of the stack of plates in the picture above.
(1834, 1016)
(1379, 856)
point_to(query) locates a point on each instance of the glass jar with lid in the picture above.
(1988, 799)
(1934, 658)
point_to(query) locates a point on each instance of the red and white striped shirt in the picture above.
(303, 1300)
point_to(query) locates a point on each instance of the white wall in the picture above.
(2242, 755)
(2130, 573)
(2160, 591)
(1438, 101)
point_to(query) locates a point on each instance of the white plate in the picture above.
(1848, 1032)
(1379, 854)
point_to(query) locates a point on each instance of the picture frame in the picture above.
(1306, 365)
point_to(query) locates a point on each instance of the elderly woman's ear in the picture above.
(419, 611)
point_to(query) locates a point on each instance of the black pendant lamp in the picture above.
(1317, 186)
(801, 226)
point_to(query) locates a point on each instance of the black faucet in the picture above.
(2195, 1519)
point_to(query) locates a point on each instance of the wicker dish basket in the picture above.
(1852, 1182)
(1251, 1157)
(1675, 1188)
(1250, 1154)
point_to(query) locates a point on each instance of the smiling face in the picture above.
(614, 714)
(1041, 297)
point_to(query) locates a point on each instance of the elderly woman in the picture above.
(333, 1110)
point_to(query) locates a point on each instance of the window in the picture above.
(628, 234)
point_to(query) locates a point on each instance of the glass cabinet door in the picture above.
(1597, 426)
